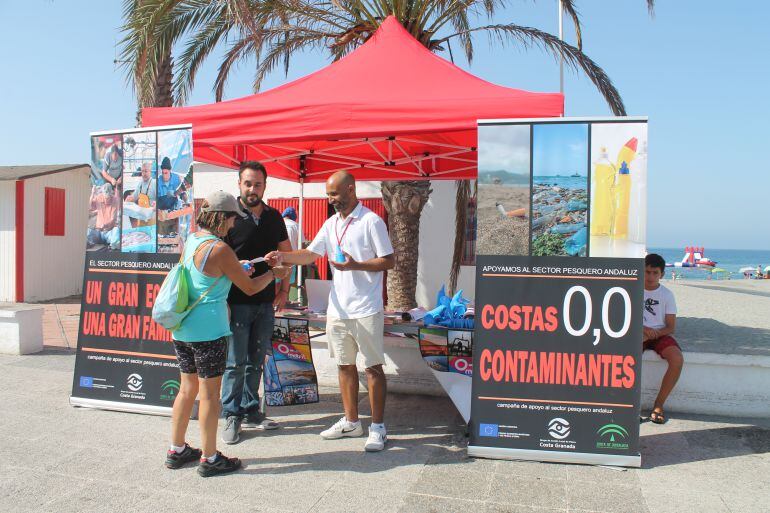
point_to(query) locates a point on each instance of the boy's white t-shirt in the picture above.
(657, 304)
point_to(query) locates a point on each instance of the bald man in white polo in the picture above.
(356, 241)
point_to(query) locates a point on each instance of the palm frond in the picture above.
(574, 58)
(569, 8)
(286, 45)
(241, 49)
(197, 50)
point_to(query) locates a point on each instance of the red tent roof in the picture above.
(390, 109)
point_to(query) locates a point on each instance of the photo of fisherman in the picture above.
(144, 193)
(112, 172)
(174, 189)
(103, 229)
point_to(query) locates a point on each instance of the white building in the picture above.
(437, 223)
(43, 220)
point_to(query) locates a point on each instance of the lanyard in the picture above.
(347, 225)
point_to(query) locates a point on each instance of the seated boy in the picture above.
(659, 323)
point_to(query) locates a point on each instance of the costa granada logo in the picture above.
(134, 382)
(559, 428)
(169, 389)
(612, 436)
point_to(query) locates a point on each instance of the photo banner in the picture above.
(565, 199)
(289, 376)
(562, 187)
(140, 215)
(557, 359)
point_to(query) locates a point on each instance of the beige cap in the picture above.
(221, 201)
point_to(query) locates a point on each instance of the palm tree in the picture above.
(274, 30)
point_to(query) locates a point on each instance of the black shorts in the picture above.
(208, 358)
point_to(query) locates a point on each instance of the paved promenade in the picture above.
(58, 458)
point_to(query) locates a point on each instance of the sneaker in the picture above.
(376, 441)
(343, 428)
(260, 422)
(178, 459)
(231, 434)
(222, 465)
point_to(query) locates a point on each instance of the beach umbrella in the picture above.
(748, 269)
(767, 269)
(719, 270)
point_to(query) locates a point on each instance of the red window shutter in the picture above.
(54, 211)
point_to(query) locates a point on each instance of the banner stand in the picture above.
(149, 409)
(555, 456)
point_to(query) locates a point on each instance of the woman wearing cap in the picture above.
(201, 341)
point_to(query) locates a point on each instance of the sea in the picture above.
(728, 259)
(567, 182)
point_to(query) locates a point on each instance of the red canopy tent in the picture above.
(389, 110)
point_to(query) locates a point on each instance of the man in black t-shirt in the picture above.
(251, 317)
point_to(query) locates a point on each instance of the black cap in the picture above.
(165, 163)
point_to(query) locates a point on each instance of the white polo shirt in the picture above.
(362, 235)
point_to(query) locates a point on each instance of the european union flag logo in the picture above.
(86, 382)
(488, 430)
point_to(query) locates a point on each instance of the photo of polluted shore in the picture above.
(503, 191)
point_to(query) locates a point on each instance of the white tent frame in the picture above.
(450, 154)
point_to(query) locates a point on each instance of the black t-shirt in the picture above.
(250, 239)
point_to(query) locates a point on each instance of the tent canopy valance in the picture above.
(390, 110)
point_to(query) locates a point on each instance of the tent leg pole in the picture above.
(300, 295)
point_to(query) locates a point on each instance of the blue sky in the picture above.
(560, 149)
(698, 70)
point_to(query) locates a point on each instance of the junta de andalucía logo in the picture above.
(612, 436)
(169, 389)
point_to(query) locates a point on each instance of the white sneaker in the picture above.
(376, 441)
(343, 428)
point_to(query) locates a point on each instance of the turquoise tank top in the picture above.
(209, 319)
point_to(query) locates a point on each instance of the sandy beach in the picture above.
(728, 317)
(496, 234)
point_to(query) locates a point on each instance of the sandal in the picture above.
(657, 417)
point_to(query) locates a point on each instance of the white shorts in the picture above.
(348, 337)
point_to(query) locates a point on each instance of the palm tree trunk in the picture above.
(404, 202)
(162, 95)
(463, 189)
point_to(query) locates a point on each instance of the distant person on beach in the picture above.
(359, 250)
(202, 340)
(659, 324)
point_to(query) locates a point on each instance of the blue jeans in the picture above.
(252, 327)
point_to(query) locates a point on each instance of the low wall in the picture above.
(711, 384)
(733, 385)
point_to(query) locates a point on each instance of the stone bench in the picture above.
(21, 328)
(732, 385)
